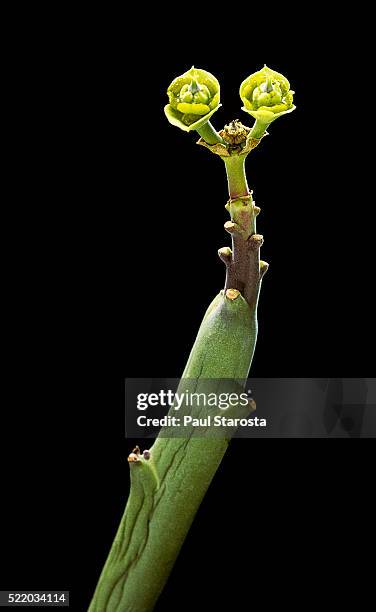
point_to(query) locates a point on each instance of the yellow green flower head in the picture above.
(193, 97)
(266, 95)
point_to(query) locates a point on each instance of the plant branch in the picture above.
(209, 134)
(259, 129)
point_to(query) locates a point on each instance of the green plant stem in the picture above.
(236, 178)
(167, 490)
(209, 133)
(259, 129)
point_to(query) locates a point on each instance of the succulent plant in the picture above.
(169, 480)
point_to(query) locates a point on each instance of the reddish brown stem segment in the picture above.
(244, 271)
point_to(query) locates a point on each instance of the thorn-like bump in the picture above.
(263, 268)
(232, 294)
(225, 254)
(257, 210)
(133, 458)
(232, 227)
(255, 241)
(226, 251)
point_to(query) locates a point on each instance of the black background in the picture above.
(112, 262)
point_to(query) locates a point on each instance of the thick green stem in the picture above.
(236, 178)
(258, 130)
(209, 133)
(166, 490)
